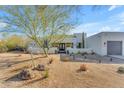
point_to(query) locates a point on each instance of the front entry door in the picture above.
(62, 47)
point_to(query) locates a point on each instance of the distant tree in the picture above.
(15, 41)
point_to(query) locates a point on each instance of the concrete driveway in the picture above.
(117, 56)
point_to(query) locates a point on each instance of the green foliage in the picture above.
(15, 41)
(3, 47)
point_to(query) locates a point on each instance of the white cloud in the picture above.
(2, 25)
(110, 28)
(117, 29)
(122, 23)
(89, 28)
(117, 18)
(113, 7)
(105, 28)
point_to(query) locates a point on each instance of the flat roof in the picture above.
(105, 32)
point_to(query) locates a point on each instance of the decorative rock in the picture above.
(24, 75)
(121, 69)
(19, 55)
(40, 67)
(9, 65)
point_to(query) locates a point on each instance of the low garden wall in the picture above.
(36, 50)
(79, 50)
(52, 50)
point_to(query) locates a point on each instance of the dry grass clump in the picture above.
(51, 60)
(83, 67)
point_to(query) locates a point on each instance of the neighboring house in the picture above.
(107, 43)
(71, 43)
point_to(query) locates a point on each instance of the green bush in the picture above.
(15, 41)
(3, 47)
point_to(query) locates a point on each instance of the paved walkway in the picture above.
(117, 56)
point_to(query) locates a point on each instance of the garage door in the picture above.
(114, 47)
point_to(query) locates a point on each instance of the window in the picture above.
(72, 45)
(79, 45)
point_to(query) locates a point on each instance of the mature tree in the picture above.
(39, 23)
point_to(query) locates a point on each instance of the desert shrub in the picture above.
(121, 69)
(92, 53)
(46, 74)
(83, 67)
(84, 53)
(71, 54)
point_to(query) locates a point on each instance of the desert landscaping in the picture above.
(60, 73)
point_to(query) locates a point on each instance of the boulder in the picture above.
(24, 75)
(40, 67)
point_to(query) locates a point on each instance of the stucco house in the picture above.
(103, 43)
(107, 43)
(73, 43)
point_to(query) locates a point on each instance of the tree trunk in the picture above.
(32, 59)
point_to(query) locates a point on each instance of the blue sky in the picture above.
(103, 18)
(93, 20)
